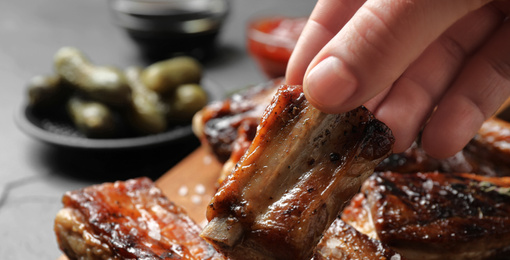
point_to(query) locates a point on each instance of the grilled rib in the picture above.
(127, 220)
(300, 170)
(488, 154)
(436, 215)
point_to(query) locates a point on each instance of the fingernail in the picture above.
(330, 84)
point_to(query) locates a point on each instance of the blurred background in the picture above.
(34, 174)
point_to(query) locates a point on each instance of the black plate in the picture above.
(56, 129)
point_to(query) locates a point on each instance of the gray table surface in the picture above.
(34, 175)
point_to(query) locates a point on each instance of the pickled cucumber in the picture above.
(103, 84)
(147, 114)
(164, 76)
(46, 92)
(105, 102)
(186, 101)
(91, 118)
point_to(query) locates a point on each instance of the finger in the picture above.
(415, 94)
(375, 47)
(327, 18)
(482, 86)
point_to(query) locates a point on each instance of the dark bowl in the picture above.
(166, 27)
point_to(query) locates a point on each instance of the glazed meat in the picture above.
(217, 125)
(343, 242)
(435, 215)
(300, 170)
(127, 220)
(488, 154)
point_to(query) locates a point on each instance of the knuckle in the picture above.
(501, 67)
(454, 48)
(375, 33)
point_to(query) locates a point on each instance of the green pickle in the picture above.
(147, 113)
(165, 76)
(91, 118)
(46, 92)
(103, 84)
(186, 101)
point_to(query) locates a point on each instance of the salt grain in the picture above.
(207, 160)
(183, 191)
(200, 189)
(196, 199)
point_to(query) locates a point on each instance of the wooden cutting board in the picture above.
(190, 184)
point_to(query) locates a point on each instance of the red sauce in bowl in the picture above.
(271, 40)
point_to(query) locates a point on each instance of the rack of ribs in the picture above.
(127, 220)
(430, 216)
(301, 169)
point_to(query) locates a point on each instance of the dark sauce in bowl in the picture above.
(163, 28)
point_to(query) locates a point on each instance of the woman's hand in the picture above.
(438, 65)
